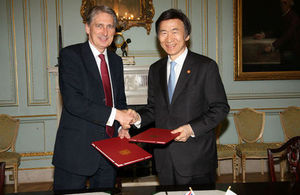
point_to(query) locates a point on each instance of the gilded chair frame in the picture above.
(256, 140)
(242, 138)
(11, 146)
(12, 142)
(232, 156)
(289, 131)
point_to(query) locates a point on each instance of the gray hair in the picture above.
(98, 9)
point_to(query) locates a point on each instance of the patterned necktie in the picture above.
(171, 84)
(107, 89)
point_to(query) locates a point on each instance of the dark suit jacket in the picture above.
(199, 99)
(84, 114)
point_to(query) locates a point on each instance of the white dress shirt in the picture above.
(98, 61)
(179, 64)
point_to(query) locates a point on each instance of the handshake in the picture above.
(127, 117)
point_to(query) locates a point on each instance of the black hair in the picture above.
(174, 14)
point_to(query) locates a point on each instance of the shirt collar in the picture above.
(96, 52)
(181, 58)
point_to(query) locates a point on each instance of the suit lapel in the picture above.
(163, 79)
(90, 62)
(183, 77)
(91, 65)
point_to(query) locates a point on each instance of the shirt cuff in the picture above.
(138, 122)
(112, 117)
(119, 129)
(193, 134)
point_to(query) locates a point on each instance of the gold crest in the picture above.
(124, 152)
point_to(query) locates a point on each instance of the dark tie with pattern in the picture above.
(107, 89)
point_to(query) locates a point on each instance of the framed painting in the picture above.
(266, 40)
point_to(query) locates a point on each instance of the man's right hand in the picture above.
(125, 117)
(135, 115)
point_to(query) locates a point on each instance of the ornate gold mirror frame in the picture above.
(142, 12)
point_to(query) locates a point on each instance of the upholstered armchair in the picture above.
(250, 124)
(226, 152)
(290, 121)
(8, 133)
(290, 152)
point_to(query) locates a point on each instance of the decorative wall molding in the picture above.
(10, 48)
(143, 53)
(36, 42)
(37, 128)
(219, 33)
(250, 96)
(31, 154)
(34, 116)
(174, 4)
(204, 26)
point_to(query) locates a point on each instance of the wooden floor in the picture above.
(225, 178)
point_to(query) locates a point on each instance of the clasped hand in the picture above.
(126, 118)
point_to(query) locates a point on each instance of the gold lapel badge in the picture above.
(188, 71)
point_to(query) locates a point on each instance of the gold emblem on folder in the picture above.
(124, 152)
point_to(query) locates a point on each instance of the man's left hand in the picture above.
(124, 133)
(185, 132)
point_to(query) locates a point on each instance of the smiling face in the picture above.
(101, 30)
(172, 37)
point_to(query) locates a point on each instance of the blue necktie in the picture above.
(171, 84)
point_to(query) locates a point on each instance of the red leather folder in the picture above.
(120, 151)
(155, 136)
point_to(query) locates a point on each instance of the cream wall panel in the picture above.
(219, 33)
(204, 27)
(8, 73)
(31, 137)
(50, 133)
(212, 28)
(72, 26)
(195, 43)
(273, 130)
(32, 162)
(37, 51)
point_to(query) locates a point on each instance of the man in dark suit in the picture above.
(185, 93)
(92, 89)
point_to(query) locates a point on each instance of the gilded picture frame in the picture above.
(144, 12)
(255, 58)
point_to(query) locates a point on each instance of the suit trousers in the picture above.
(169, 176)
(105, 177)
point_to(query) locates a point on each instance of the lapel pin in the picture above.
(188, 71)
